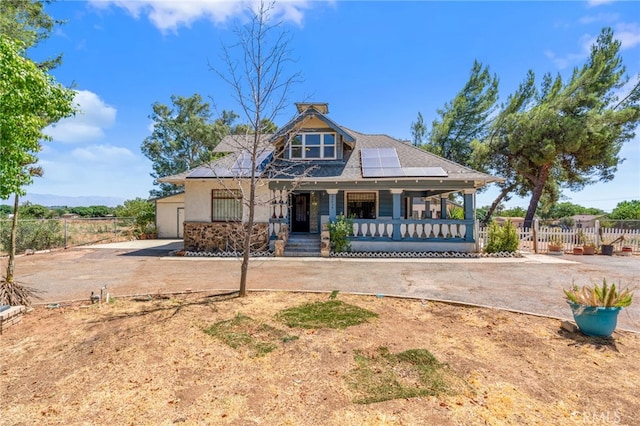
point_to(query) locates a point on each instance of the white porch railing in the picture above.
(426, 229)
(275, 226)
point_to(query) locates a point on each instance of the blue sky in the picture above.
(377, 64)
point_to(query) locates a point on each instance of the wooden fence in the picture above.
(536, 239)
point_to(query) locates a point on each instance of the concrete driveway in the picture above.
(532, 284)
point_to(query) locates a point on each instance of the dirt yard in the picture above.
(149, 362)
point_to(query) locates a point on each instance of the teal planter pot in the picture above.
(595, 321)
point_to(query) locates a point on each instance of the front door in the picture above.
(300, 213)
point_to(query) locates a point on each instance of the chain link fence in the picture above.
(46, 234)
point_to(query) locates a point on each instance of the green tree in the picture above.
(143, 212)
(513, 212)
(567, 209)
(23, 24)
(464, 119)
(626, 210)
(481, 212)
(30, 99)
(487, 152)
(572, 133)
(35, 211)
(5, 210)
(92, 211)
(27, 21)
(183, 137)
(418, 131)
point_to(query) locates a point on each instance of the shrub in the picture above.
(502, 238)
(340, 230)
(142, 210)
(33, 235)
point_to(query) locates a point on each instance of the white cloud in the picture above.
(88, 124)
(98, 170)
(596, 3)
(102, 154)
(628, 34)
(566, 61)
(601, 17)
(169, 15)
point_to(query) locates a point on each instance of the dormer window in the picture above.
(313, 146)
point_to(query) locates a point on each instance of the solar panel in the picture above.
(425, 172)
(242, 164)
(241, 167)
(384, 162)
(379, 162)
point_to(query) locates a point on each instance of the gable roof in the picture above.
(236, 165)
(311, 112)
(414, 163)
(237, 143)
(409, 156)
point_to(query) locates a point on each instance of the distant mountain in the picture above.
(50, 200)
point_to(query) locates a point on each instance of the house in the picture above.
(518, 222)
(169, 215)
(313, 170)
(585, 220)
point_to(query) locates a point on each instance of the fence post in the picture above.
(535, 235)
(597, 231)
(65, 233)
(115, 225)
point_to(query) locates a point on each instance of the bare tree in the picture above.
(255, 69)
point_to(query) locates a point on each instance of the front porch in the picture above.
(397, 226)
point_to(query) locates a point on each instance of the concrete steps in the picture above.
(302, 245)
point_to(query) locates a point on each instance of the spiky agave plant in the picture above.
(605, 295)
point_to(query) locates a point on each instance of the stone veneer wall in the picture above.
(223, 236)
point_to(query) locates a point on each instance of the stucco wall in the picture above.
(198, 200)
(167, 218)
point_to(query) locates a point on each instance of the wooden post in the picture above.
(469, 212)
(534, 235)
(396, 213)
(332, 204)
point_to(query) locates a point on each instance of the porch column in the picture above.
(469, 211)
(443, 206)
(332, 204)
(397, 193)
(427, 209)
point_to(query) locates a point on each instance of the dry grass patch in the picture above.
(150, 363)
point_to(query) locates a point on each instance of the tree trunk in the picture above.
(244, 269)
(496, 202)
(538, 189)
(12, 242)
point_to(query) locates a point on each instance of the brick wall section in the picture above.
(11, 316)
(223, 236)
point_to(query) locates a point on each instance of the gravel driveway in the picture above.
(531, 284)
